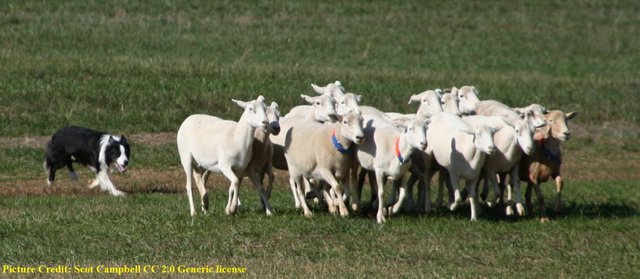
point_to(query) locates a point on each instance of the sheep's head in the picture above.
(523, 133)
(535, 113)
(557, 124)
(483, 139)
(351, 125)
(254, 112)
(334, 90)
(450, 103)
(347, 102)
(323, 107)
(468, 96)
(273, 115)
(430, 103)
(415, 131)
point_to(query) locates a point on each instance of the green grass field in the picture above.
(142, 67)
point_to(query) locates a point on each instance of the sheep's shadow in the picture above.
(594, 210)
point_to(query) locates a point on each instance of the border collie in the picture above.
(97, 150)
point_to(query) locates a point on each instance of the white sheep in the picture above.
(322, 152)
(334, 90)
(515, 119)
(430, 103)
(512, 141)
(211, 144)
(468, 98)
(546, 160)
(460, 149)
(387, 151)
(450, 103)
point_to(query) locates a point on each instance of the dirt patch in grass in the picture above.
(581, 163)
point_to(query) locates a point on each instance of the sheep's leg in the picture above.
(296, 195)
(232, 203)
(440, 195)
(559, 186)
(200, 180)
(515, 182)
(541, 208)
(357, 193)
(402, 194)
(261, 192)
(527, 195)
(471, 188)
(425, 192)
(186, 161)
(329, 198)
(337, 188)
(271, 178)
(456, 190)
(491, 178)
(410, 202)
(296, 184)
(380, 185)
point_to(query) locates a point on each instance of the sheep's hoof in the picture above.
(544, 220)
(380, 218)
(355, 207)
(308, 214)
(204, 211)
(453, 206)
(520, 209)
(269, 213)
(509, 210)
(117, 193)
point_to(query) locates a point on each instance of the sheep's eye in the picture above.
(250, 109)
(317, 103)
(344, 122)
(342, 102)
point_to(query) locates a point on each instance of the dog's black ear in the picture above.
(123, 139)
(111, 140)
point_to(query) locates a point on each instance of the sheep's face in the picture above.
(468, 96)
(254, 112)
(430, 103)
(347, 102)
(351, 126)
(323, 108)
(450, 104)
(524, 136)
(484, 140)
(334, 90)
(534, 113)
(273, 116)
(557, 124)
(416, 134)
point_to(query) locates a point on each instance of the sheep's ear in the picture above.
(274, 106)
(318, 89)
(307, 99)
(415, 98)
(239, 103)
(402, 122)
(338, 83)
(508, 121)
(358, 98)
(519, 111)
(571, 115)
(495, 129)
(335, 117)
(439, 92)
(260, 99)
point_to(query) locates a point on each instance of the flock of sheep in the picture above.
(331, 145)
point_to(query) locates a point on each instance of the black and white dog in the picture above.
(97, 150)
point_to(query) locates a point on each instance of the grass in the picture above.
(596, 235)
(142, 67)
